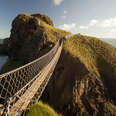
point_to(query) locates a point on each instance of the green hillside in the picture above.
(94, 53)
(83, 82)
(41, 109)
(100, 59)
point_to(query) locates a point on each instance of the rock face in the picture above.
(81, 84)
(44, 18)
(74, 91)
(27, 38)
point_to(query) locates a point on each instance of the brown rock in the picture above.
(27, 38)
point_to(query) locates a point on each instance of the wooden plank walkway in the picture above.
(25, 99)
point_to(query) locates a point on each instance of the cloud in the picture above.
(106, 23)
(57, 2)
(112, 30)
(105, 28)
(4, 35)
(68, 27)
(111, 22)
(93, 22)
(65, 12)
(63, 17)
(83, 27)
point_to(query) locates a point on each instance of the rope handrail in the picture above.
(16, 83)
(2, 75)
(43, 79)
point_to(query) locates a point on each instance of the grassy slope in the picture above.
(52, 33)
(99, 58)
(89, 50)
(94, 54)
(40, 109)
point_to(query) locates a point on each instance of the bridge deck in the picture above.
(25, 99)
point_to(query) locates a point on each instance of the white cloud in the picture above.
(106, 23)
(65, 12)
(83, 27)
(111, 22)
(93, 22)
(112, 30)
(4, 35)
(57, 2)
(105, 28)
(68, 27)
(63, 17)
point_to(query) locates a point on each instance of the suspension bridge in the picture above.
(24, 86)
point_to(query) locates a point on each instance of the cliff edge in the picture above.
(83, 83)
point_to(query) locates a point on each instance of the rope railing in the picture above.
(15, 84)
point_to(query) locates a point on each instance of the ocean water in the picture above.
(3, 60)
(110, 41)
(1, 41)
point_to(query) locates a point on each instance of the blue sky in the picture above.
(90, 17)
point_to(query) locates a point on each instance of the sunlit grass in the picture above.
(41, 109)
(92, 51)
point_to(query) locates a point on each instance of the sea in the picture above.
(1, 41)
(110, 41)
(3, 59)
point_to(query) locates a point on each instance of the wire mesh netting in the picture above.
(14, 84)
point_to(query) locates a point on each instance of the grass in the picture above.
(53, 33)
(41, 109)
(10, 65)
(99, 58)
(93, 53)
(109, 109)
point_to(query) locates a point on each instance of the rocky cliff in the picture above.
(83, 83)
(27, 35)
(32, 35)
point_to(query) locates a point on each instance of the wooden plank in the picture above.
(25, 99)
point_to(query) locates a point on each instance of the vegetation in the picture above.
(53, 33)
(97, 56)
(41, 109)
(100, 59)
(94, 53)
(109, 109)
(10, 65)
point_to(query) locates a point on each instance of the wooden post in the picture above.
(39, 22)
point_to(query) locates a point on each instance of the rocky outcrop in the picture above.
(74, 91)
(44, 18)
(83, 83)
(27, 37)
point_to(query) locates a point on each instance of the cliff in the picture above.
(28, 35)
(83, 82)
(31, 37)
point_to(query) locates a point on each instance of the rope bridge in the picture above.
(19, 87)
